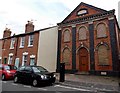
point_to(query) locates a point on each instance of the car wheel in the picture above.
(3, 77)
(35, 83)
(15, 79)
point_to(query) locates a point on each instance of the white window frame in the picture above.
(22, 42)
(12, 43)
(31, 58)
(31, 37)
(23, 58)
(10, 59)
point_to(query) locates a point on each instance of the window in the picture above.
(82, 33)
(32, 61)
(66, 35)
(28, 69)
(101, 30)
(5, 61)
(66, 55)
(30, 40)
(10, 59)
(24, 62)
(103, 55)
(12, 45)
(22, 42)
(21, 68)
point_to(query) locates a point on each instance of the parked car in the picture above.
(35, 75)
(7, 71)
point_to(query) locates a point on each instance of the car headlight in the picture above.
(43, 76)
(54, 75)
(8, 71)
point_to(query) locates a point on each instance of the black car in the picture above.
(36, 75)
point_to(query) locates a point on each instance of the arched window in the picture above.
(66, 35)
(101, 30)
(82, 33)
(66, 55)
(103, 55)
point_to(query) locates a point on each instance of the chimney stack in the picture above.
(6, 33)
(29, 27)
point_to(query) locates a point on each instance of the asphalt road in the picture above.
(11, 87)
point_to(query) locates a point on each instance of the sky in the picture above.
(14, 14)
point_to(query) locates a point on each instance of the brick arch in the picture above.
(82, 46)
(102, 43)
(102, 22)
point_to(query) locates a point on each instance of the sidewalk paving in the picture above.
(91, 81)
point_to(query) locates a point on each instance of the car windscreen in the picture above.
(7, 67)
(10, 67)
(39, 69)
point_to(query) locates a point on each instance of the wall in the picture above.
(0, 50)
(47, 49)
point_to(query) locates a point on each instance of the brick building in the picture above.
(23, 49)
(0, 51)
(88, 41)
(20, 49)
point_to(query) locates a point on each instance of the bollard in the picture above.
(62, 72)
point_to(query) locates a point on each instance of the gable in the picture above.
(83, 10)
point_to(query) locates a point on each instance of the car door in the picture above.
(28, 73)
(0, 70)
(20, 73)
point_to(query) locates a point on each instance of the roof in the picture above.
(87, 5)
(23, 34)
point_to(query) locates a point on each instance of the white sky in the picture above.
(44, 13)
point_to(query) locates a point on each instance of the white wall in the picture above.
(119, 13)
(47, 49)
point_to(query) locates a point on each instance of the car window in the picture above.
(39, 69)
(28, 69)
(7, 67)
(12, 67)
(21, 68)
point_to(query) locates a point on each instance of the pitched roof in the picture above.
(86, 5)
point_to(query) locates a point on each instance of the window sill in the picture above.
(30, 45)
(21, 47)
(101, 37)
(103, 65)
(11, 48)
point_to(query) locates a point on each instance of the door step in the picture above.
(82, 73)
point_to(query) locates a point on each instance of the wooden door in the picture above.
(83, 60)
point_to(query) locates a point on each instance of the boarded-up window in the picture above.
(66, 55)
(82, 33)
(66, 36)
(101, 30)
(103, 55)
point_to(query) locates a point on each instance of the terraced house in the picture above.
(87, 41)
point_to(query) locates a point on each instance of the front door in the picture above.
(83, 60)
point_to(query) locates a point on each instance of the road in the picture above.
(11, 87)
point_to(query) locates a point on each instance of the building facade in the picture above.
(20, 49)
(0, 51)
(88, 41)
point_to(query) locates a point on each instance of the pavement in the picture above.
(99, 83)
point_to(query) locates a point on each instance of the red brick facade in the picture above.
(17, 51)
(93, 54)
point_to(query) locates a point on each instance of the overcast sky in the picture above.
(14, 14)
